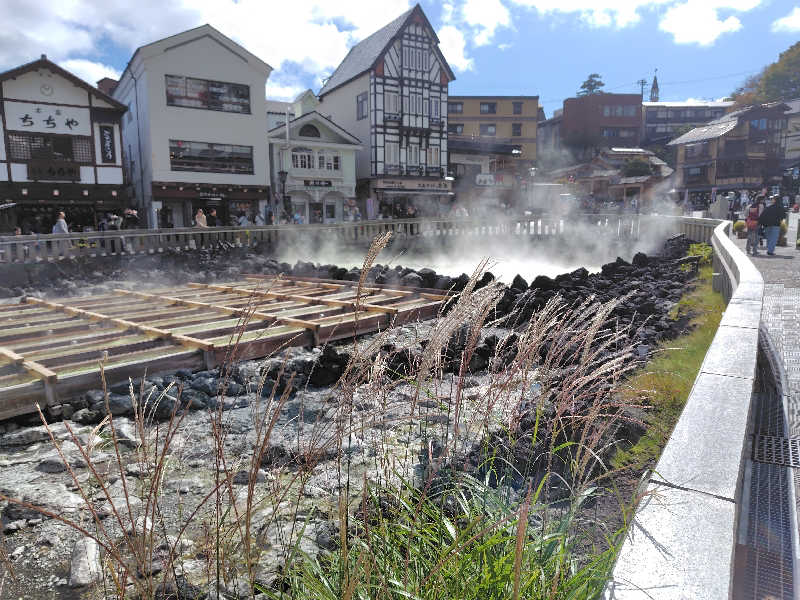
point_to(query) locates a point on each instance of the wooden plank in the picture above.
(12, 356)
(184, 340)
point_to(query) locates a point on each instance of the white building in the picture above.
(390, 92)
(194, 132)
(318, 163)
(59, 149)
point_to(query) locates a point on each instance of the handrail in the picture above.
(48, 247)
(683, 536)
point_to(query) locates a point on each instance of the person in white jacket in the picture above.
(61, 224)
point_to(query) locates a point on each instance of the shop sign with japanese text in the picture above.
(108, 151)
(47, 118)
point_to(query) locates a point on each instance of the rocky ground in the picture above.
(324, 437)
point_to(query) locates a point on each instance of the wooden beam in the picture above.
(122, 323)
(310, 325)
(40, 371)
(299, 298)
(12, 356)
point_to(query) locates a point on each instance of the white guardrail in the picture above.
(682, 539)
(37, 248)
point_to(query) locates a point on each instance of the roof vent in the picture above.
(44, 56)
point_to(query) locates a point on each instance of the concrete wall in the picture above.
(682, 539)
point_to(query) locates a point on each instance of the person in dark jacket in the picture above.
(771, 218)
(211, 218)
(131, 219)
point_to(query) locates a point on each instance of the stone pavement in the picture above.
(781, 311)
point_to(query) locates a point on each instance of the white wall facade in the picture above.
(315, 183)
(200, 53)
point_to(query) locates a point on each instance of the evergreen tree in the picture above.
(592, 85)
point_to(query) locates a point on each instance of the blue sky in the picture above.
(702, 48)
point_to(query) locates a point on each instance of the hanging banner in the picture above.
(108, 151)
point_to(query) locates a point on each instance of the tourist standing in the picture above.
(131, 219)
(200, 218)
(61, 224)
(771, 218)
(211, 218)
(751, 220)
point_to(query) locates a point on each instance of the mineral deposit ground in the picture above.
(285, 438)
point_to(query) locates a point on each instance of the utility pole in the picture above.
(642, 83)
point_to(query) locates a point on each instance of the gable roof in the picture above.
(363, 55)
(719, 127)
(44, 63)
(200, 32)
(314, 115)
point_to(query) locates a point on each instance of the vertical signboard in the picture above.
(108, 151)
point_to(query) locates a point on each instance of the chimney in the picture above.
(107, 85)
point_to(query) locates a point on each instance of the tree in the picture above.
(636, 167)
(778, 81)
(592, 85)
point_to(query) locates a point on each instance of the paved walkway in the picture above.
(781, 312)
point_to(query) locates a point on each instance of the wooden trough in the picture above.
(52, 350)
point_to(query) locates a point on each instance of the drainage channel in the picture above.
(767, 537)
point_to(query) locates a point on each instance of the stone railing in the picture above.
(36, 248)
(682, 539)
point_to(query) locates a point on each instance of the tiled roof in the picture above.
(363, 54)
(711, 131)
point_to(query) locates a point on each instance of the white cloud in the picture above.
(312, 33)
(788, 24)
(453, 46)
(90, 71)
(485, 16)
(688, 21)
(700, 21)
(278, 91)
(596, 13)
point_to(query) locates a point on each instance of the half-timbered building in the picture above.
(391, 91)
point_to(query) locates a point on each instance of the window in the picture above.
(434, 108)
(391, 103)
(392, 153)
(488, 129)
(433, 156)
(326, 160)
(663, 113)
(302, 158)
(455, 128)
(516, 129)
(413, 155)
(361, 106)
(211, 158)
(190, 92)
(309, 130)
(455, 108)
(700, 149)
(629, 110)
(23, 146)
(414, 106)
(517, 107)
(627, 133)
(610, 132)
(488, 108)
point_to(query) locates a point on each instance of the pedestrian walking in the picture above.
(751, 220)
(771, 218)
(61, 224)
(200, 218)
